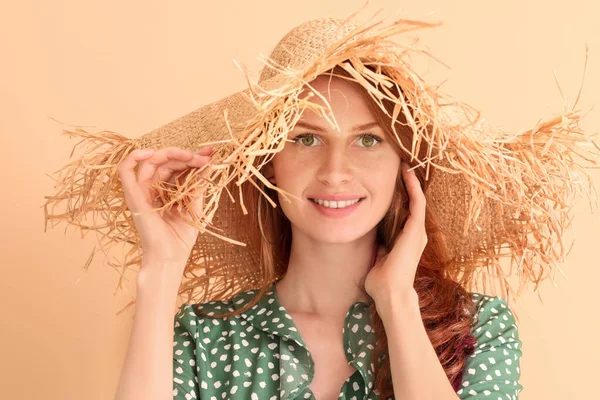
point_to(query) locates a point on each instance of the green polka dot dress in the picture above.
(260, 354)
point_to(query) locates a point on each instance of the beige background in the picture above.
(132, 66)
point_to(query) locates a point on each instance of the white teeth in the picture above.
(335, 204)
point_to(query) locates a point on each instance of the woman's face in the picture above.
(329, 170)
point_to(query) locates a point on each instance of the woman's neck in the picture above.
(324, 279)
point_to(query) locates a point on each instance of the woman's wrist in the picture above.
(395, 302)
(160, 276)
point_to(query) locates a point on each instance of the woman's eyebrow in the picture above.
(317, 128)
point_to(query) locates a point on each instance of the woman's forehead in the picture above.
(348, 112)
(329, 86)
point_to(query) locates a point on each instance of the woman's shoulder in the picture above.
(494, 317)
(494, 366)
(490, 305)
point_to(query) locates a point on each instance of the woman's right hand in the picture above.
(164, 238)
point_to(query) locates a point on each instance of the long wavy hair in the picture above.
(446, 307)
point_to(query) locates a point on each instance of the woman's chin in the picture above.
(337, 236)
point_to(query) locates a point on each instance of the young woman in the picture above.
(359, 306)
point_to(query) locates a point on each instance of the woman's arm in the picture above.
(415, 367)
(148, 368)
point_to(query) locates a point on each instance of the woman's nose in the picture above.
(335, 166)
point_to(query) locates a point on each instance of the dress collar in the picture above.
(297, 366)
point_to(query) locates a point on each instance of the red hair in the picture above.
(446, 307)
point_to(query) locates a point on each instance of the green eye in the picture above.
(306, 139)
(369, 140)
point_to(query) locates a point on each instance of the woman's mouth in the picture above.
(336, 204)
(336, 208)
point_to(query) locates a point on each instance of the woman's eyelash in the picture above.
(303, 135)
(377, 138)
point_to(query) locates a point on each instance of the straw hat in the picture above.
(492, 190)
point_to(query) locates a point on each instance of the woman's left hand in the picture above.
(393, 274)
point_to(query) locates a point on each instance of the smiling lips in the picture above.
(336, 204)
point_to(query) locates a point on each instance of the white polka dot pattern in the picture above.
(260, 354)
(493, 370)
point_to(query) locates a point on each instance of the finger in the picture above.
(126, 170)
(148, 168)
(417, 201)
(178, 170)
(195, 194)
(204, 151)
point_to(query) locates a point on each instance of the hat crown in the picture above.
(305, 43)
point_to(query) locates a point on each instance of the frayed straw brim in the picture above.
(490, 189)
